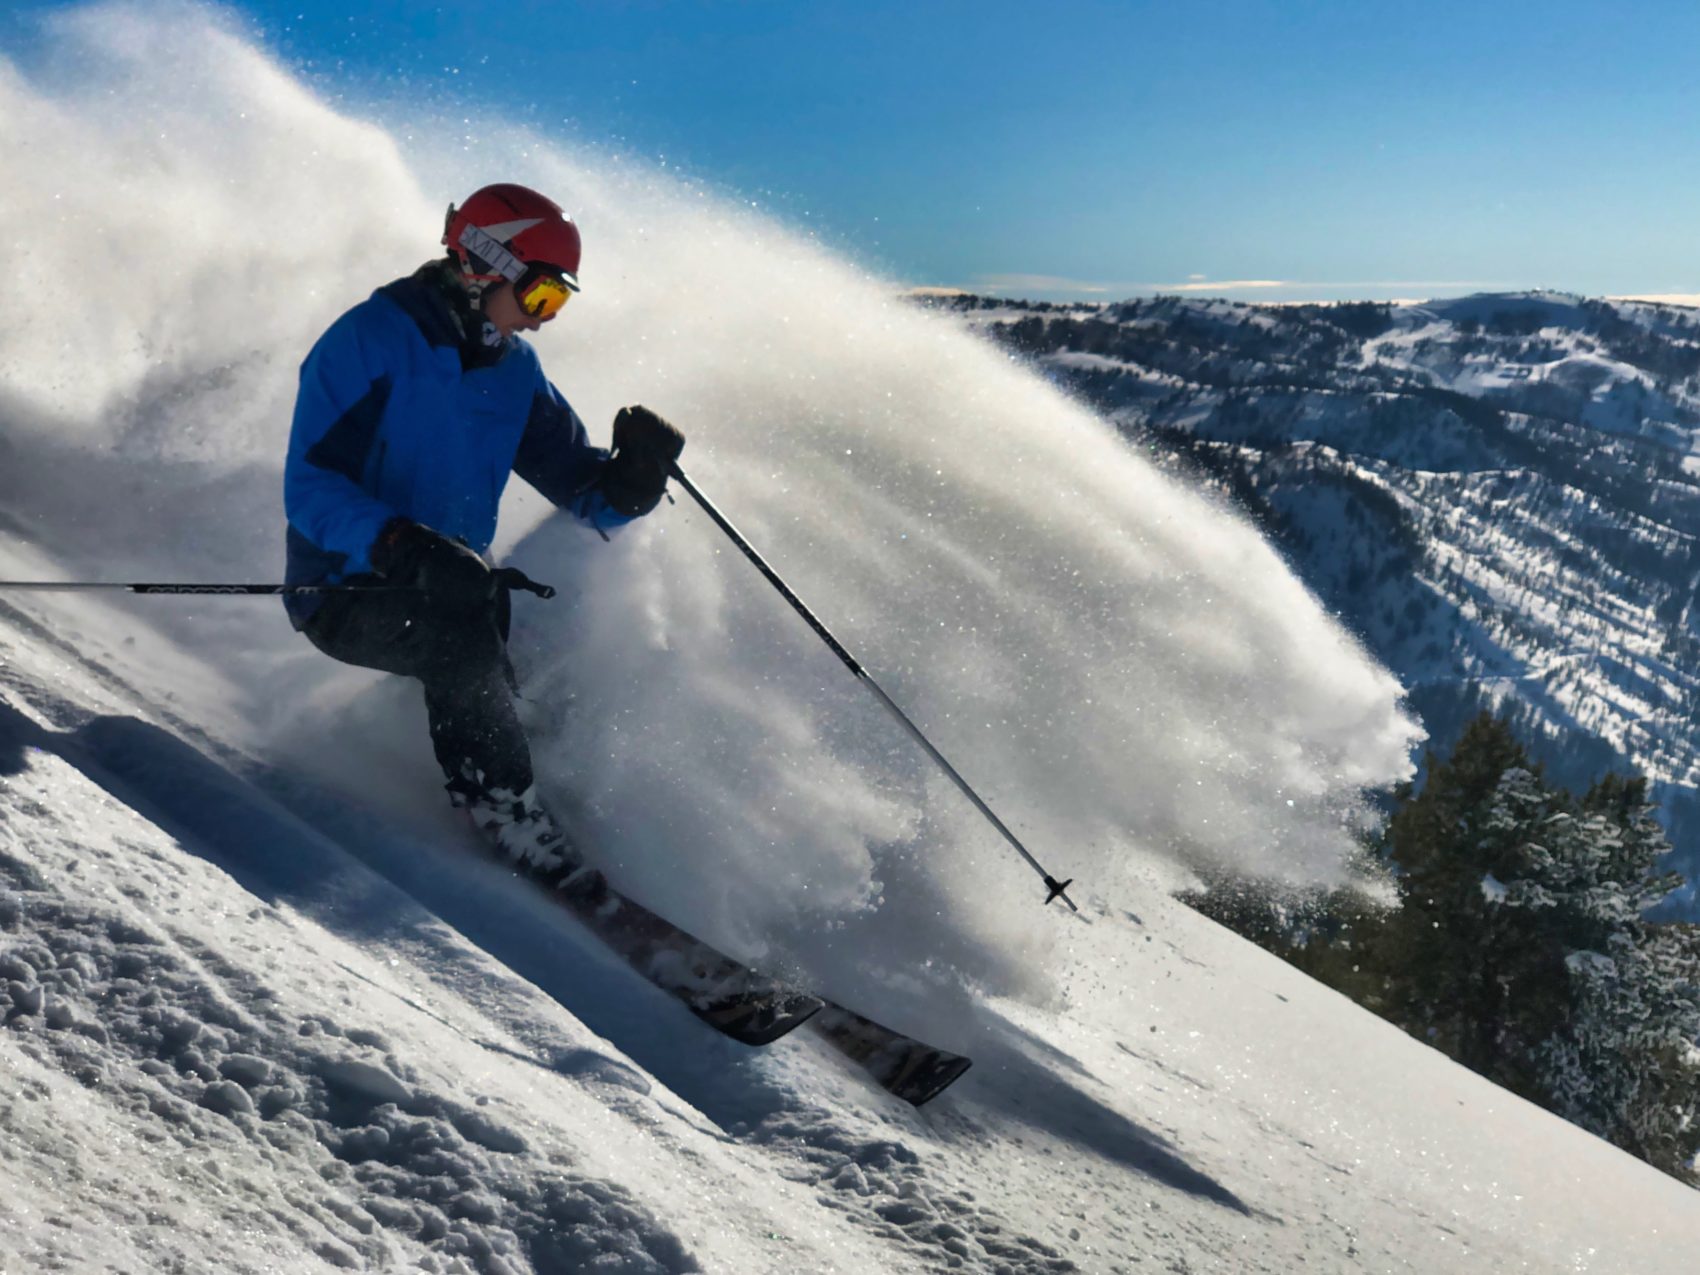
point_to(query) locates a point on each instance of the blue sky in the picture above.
(1095, 149)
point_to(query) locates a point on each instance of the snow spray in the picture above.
(1124, 668)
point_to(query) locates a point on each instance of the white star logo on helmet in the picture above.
(505, 231)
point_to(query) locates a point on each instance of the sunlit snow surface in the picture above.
(1128, 674)
(229, 1046)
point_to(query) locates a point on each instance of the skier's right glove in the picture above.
(450, 574)
(645, 447)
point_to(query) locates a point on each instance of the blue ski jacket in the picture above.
(397, 416)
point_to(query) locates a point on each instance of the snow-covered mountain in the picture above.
(1500, 494)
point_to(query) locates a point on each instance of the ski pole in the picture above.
(1056, 889)
(251, 590)
(508, 577)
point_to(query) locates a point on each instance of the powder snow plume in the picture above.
(1127, 672)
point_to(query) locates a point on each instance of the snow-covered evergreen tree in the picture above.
(1624, 1061)
(1521, 946)
(1456, 964)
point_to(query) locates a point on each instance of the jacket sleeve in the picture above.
(556, 457)
(345, 384)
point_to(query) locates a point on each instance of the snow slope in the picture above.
(232, 1044)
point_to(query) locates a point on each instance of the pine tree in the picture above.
(1451, 959)
(1520, 944)
(1521, 947)
(1623, 1062)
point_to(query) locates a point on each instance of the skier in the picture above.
(413, 409)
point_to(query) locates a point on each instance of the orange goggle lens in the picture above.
(543, 297)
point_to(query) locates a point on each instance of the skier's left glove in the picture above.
(645, 447)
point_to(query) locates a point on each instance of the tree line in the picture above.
(1509, 929)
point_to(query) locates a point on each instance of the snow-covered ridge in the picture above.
(1499, 493)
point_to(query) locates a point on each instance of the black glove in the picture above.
(645, 446)
(408, 553)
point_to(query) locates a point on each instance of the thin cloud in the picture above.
(1221, 285)
(1194, 284)
(1037, 283)
(1032, 285)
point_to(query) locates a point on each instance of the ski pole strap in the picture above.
(514, 578)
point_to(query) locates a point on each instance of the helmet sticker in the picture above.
(480, 243)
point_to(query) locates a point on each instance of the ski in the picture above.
(736, 1000)
(903, 1066)
(731, 997)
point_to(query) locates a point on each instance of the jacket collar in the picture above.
(432, 297)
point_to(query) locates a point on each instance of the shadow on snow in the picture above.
(289, 843)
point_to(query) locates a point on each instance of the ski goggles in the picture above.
(542, 291)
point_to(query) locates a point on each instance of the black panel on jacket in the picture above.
(346, 444)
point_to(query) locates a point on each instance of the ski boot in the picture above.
(526, 834)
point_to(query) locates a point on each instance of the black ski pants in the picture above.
(459, 655)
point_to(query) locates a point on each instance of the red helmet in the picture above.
(501, 230)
